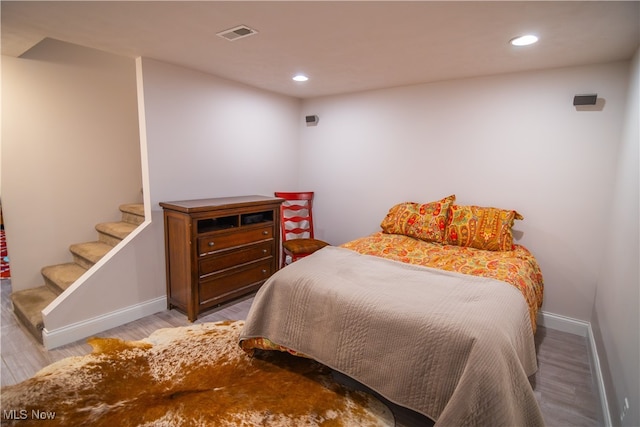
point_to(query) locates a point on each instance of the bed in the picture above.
(436, 312)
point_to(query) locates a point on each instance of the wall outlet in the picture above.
(625, 408)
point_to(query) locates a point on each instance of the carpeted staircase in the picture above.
(29, 303)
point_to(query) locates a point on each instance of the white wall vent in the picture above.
(236, 33)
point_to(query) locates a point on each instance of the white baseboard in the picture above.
(582, 328)
(597, 371)
(86, 328)
(563, 323)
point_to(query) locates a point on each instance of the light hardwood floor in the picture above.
(563, 385)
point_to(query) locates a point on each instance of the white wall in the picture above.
(209, 137)
(616, 312)
(512, 141)
(70, 151)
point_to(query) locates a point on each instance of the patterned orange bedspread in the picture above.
(519, 268)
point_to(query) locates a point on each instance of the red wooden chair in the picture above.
(296, 222)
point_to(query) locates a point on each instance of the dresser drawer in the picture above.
(219, 285)
(216, 242)
(228, 259)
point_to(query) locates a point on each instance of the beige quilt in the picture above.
(455, 347)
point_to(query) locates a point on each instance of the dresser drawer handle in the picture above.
(264, 271)
(264, 251)
(265, 232)
(211, 243)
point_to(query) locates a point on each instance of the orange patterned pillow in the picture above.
(422, 221)
(481, 228)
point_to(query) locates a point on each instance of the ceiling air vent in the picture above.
(236, 33)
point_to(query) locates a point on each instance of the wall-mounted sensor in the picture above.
(585, 99)
(312, 120)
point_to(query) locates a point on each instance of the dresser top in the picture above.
(201, 205)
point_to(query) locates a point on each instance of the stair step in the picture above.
(59, 277)
(28, 305)
(132, 213)
(112, 233)
(87, 254)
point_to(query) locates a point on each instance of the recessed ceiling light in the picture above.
(524, 40)
(300, 78)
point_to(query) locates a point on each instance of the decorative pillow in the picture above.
(423, 221)
(481, 227)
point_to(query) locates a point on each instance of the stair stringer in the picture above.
(126, 284)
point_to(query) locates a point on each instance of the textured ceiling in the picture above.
(342, 46)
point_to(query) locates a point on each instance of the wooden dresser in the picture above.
(219, 249)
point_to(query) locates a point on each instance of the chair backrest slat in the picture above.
(297, 230)
(296, 218)
(297, 207)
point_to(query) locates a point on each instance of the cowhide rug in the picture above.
(189, 376)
